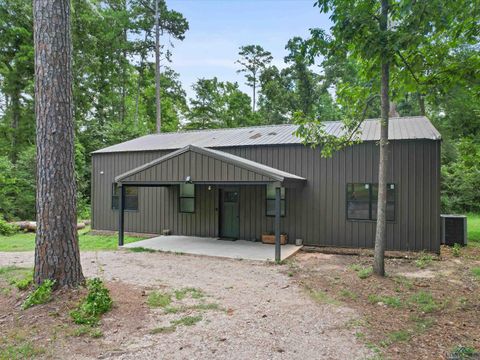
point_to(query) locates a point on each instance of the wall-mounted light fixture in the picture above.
(101, 172)
(188, 180)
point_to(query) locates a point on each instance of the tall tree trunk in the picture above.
(15, 124)
(140, 78)
(157, 67)
(124, 63)
(57, 255)
(254, 92)
(421, 104)
(381, 233)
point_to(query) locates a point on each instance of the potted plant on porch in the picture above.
(270, 238)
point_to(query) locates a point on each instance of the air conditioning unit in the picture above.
(454, 229)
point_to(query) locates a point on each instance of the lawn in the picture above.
(26, 241)
(473, 228)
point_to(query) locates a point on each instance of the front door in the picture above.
(229, 213)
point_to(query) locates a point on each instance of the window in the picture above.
(187, 198)
(131, 197)
(362, 201)
(271, 201)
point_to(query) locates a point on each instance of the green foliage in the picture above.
(461, 179)
(96, 303)
(19, 277)
(158, 299)
(473, 228)
(456, 250)
(362, 272)
(41, 295)
(218, 105)
(6, 228)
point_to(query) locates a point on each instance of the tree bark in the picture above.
(15, 124)
(381, 233)
(57, 254)
(254, 92)
(157, 68)
(421, 104)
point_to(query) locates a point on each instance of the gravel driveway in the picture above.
(271, 316)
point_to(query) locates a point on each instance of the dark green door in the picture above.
(229, 213)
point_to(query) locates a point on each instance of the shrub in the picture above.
(40, 295)
(97, 302)
(456, 250)
(6, 228)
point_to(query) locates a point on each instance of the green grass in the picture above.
(322, 297)
(17, 276)
(24, 350)
(473, 228)
(390, 301)
(187, 320)
(158, 299)
(194, 293)
(26, 241)
(425, 302)
(476, 272)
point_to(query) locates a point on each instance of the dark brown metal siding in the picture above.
(316, 213)
(199, 167)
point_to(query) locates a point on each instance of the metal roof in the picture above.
(267, 171)
(400, 128)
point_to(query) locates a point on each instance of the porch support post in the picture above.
(121, 214)
(277, 224)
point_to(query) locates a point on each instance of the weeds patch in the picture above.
(187, 320)
(40, 295)
(158, 299)
(424, 301)
(97, 302)
(322, 298)
(463, 352)
(24, 350)
(391, 301)
(193, 292)
(476, 272)
(19, 277)
(424, 260)
(362, 272)
(163, 330)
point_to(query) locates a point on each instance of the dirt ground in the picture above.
(243, 310)
(423, 309)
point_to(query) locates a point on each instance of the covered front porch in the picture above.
(238, 249)
(220, 176)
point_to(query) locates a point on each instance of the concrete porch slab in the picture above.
(239, 249)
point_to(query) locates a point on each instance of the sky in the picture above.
(219, 27)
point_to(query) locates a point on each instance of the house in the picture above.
(244, 182)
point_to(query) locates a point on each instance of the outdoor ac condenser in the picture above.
(454, 229)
